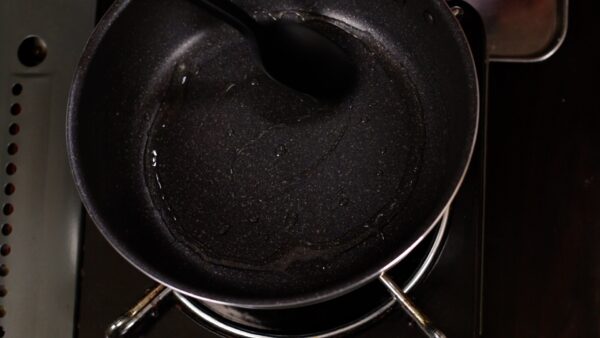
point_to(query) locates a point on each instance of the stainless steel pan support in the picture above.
(146, 310)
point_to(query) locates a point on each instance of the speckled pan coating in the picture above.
(226, 186)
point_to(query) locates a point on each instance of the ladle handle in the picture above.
(409, 307)
(233, 15)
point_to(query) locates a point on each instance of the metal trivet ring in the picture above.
(145, 309)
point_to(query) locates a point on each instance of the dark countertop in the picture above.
(542, 261)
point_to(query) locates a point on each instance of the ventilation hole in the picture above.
(17, 89)
(13, 129)
(9, 189)
(32, 51)
(2, 332)
(15, 109)
(8, 209)
(12, 148)
(2, 312)
(5, 250)
(7, 229)
(11, 168)
(4, 270)
(3, 291)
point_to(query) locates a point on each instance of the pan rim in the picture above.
(149, 270)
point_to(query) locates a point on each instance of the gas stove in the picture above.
(74, 274)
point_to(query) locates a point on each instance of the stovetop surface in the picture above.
(450, 294)
(541, 129)
(541, 267)
(102, 302)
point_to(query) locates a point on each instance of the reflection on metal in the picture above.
(523, 31)
(430, 256)
(42, 265)
(139, 314)
(400, 294)
(410, 309)
(220, 325)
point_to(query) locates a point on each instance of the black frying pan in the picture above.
(228, 187)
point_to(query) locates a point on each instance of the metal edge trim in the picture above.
(435, 247)
(550, 50)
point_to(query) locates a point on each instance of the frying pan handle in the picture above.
(407, 305)
(141, 315)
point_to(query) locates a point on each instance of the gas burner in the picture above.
(332, 318)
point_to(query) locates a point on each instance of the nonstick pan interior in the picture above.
(218, 181)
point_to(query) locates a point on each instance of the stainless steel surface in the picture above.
(435, 248)
(228, 329)
(139, 313)
(407, 305)
(41, 283)
(221, 325)
(523, 31)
